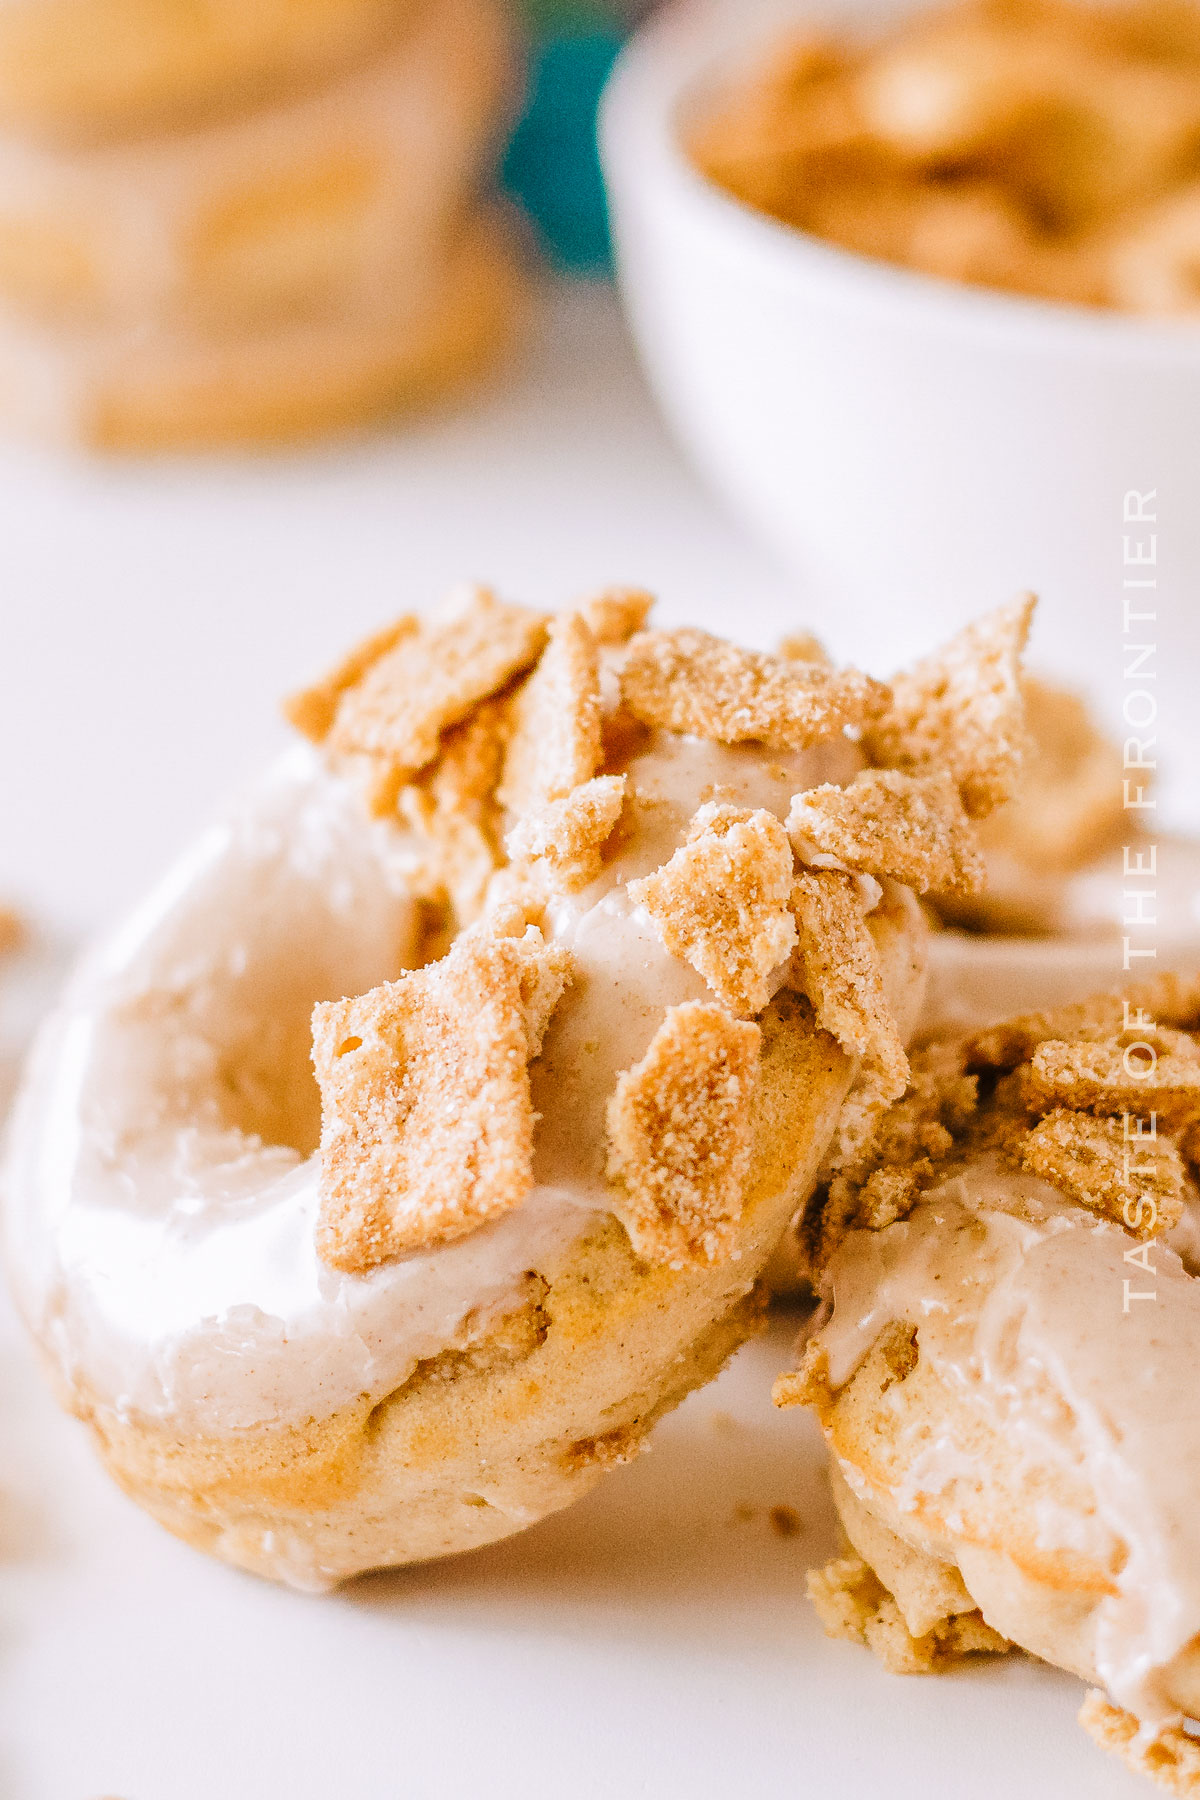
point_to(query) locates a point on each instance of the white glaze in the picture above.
(162, 1187)
(1019, 1301)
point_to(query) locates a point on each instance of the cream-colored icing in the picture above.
(1019, 1300)
(162, 1186)
(978, 978)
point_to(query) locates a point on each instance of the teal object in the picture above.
(552, 166)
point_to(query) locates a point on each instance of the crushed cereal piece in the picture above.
(1107, 1077)
(427, 1121)
(689, 681)
(962, 710)
(1145, 1011)
(312, 711)
(807, 1384)
(555, 741)
(452, 810)
(911, 827)
(804, 647)
(1138, 1184)
(842, 976)
(679, 1135)
(1171, 1760)
(563, 841)
(852, 1603)
(613, 616)
(394, 716)
(722, 902)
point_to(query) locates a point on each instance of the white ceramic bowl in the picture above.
(914, 449)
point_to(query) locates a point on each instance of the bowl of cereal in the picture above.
(920, 296)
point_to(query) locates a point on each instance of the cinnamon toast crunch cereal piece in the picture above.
(427, 1120)
(852, 1603)
(1140, 1077)
(1171, 1760)
(911, 827)
(451, 808)
(394, 716)
(313, 709)
(680, 1134)
(690, 681)
(1138, 1183)
(961, 710)
(804, 647)
(563, 841)
(555, 741)
(613, 616)
(722, 902)
(842, 976)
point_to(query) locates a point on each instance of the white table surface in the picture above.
(656, 1639)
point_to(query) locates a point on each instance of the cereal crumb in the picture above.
(555, 740)
(689, 681)
(390, 719)
(563, 841)
(852, 1603)
(842, 978)
(680, 1133)
(1171, 1760)
(313, 709)
(613, 616)
(1137, 1185)
(427, 1120)
(962, 710)
(911, 827)
(722, 902)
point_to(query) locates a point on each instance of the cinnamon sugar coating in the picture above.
(1094, 1161)
(842, 978)
(680, 1133)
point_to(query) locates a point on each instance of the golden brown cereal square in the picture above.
(395, 715)
(680, 1133)
(961, 710)
(689, 681)
(1137, 1182)
(722, 902)
(313, 709)
(842, 978)
(555, 735)
(427, 1121)
(911, 827)
(1111, 1077)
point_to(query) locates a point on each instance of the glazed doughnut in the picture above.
(1049, 927)
(271, 213)
(1015, 1456)
(147, 389)
(320, 1327)
(82, 70)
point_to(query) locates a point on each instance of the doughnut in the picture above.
(1015, 1460)
(160, 389)
(1050, 925)
(84, 70)
(582, 1030)
(272, 213)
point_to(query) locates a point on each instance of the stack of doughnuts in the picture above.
(246, 222)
